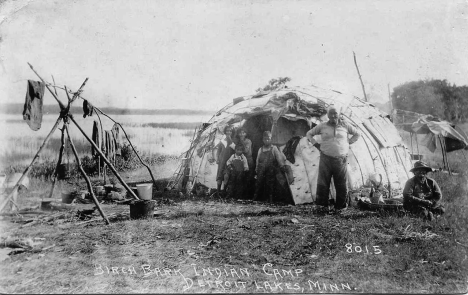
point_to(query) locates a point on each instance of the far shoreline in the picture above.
(17, 108)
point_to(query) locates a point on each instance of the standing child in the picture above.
(237, 168)
(269, 159)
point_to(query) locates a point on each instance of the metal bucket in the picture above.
(68, 197)
(141, 209)
(46, 204)
(145, 191)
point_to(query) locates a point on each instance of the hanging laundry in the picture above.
(32, 111)
(115, 131)
(107, 143)
(290, 148)
(88, 108)
(96, 137)
(110, 146)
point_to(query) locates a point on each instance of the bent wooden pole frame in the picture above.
(401, 160)
(62, 147)
(128, 139)
(363, 131)
(359, 165)
(384, 163)
(104, 158)
(199, 166)
(88, 182)
(26, 171)
(201, 160)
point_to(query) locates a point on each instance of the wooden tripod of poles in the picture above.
(66, 117)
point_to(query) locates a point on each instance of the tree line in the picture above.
(435, 97)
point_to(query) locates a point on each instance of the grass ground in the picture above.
(195, 245)
(205, 245)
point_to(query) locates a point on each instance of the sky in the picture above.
(202, 54)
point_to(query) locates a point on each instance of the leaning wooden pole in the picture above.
(442, 150)
(104, 158)
(62, 147)
(47, 86)
(131, 145)
(390, 97)
(88, 182)
(26, 171)
(442, 140)
(360, 78)
(78, 92)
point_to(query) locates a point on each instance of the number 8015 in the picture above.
(364, 250)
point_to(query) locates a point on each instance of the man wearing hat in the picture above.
(422, 194)
(333, 157)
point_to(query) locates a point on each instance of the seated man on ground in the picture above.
(422, 195)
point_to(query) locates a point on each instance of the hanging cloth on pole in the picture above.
(32, 111)
(88, 108)
(115, 131)
(96, 137)
(110, 146)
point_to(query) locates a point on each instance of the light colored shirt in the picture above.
(236, 157)
(335, 142)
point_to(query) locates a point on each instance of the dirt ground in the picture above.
(210, 245)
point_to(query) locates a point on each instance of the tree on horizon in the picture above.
(274, 84)
(434, 97)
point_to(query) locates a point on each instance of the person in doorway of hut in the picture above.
(422, 195)
(222, 152)
(237, 168)
(333, 158)
(241, 138)
(269, 159)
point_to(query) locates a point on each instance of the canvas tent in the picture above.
(290, 112)
(437, 134)
(433, 128)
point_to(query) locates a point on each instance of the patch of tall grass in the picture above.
(18, 149)
(455, 198)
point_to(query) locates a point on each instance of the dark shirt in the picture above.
(415, 192)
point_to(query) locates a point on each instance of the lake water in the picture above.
(19, 141)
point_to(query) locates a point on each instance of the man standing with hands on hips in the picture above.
(333, 157)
